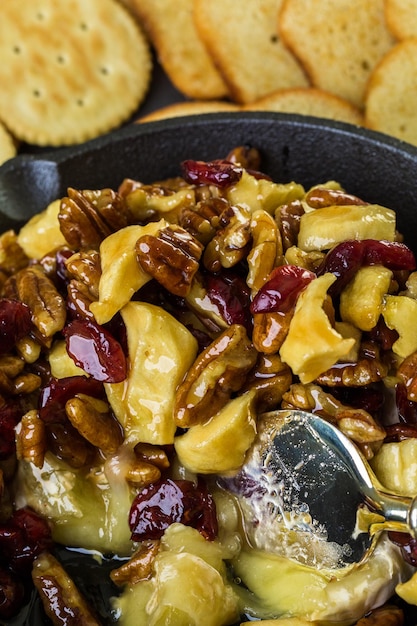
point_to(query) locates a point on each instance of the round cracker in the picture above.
(8, 148)
(401, 17)
(69, 70)
(192, 107)
(171, 29)
(309, 101)
(338, 42)
(392, 93)
(242, 39)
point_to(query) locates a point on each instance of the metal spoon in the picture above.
(307, 492)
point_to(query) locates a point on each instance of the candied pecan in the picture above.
(231, 242)
(400, 431)
(266, 250)
(68, 445)
(153, 454)
(288, 218)
(85, 267)
(309, 260)
(217, 372)
(357, 424)
(32, 287)
(320, 197)
(387, 615)
(270, 330)
(29, 349)
(172, 258)
(31, 439)
(12, 256)
(142, 473)
(368, 369)
(271, 378)
(139, 566)
(93, 420)
(203, 219)
(62, 601)
(407, 373)
(246, 156)
(11, 365)
(79, 299)
(86, 217)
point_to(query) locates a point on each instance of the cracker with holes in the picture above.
(8, 148)
(309, 101)
(338, 42)
(401, 16)
(171, 29)
(242, 39)
(69, 70)
(392, 93)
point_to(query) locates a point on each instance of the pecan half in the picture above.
(407, 373)
(288, 219)
(231, 243)
(87, 217)
(266, 250)
(31, 439)
(368, 369)
(270, 330)
(172, 258)
(32, 287)
(84, 266)
(320, 197)
(271, 378)
(357, 424)
(217, 372)
(203, 219)
(62, 601)
(139, 566)
(92, 419)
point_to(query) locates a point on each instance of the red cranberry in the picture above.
(168, 501)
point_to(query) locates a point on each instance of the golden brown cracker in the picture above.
(392, 93)
(8, 148)
(338, 42)
(191, 107)
(171, 29)
(401, 17)
(243, 41)
(309, 101)
(70, 70)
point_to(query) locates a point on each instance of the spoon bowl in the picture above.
(307, 492)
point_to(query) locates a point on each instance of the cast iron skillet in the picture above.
(307, 150)
(375, 167)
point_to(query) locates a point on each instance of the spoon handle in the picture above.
(400, 512)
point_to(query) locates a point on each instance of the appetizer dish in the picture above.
(145, 332)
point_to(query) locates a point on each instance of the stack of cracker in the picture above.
(74, 69)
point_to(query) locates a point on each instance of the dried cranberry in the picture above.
(10, 414)
(55, 394)
(407, 409)
(22, 538)
(370, 398)
(232, 297)
(407, 544)
(11, 594)
(347, 257)
(219, 172)
(95, 350)
(168, 501)
(281, 290)
(15, 323)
